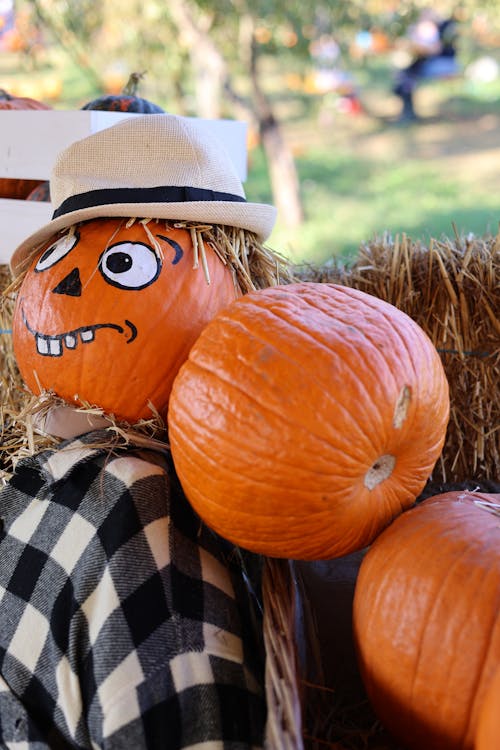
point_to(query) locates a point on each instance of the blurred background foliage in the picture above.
(325, 151)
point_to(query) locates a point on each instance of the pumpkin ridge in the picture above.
(433, 606)
(329, 394)
(489, 647)
(403, 320)
(311, 548)
(431, 355)
(353, 349)
(223, 440)
(331, 440)
(320, 517)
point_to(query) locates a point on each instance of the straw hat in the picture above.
(158, 166)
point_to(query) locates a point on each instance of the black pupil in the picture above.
(47, 253)
(119, 262)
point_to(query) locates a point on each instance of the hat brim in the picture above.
(258, 218)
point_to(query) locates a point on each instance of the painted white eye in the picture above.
(130, 265)
(56, 251)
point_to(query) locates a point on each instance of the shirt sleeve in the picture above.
(173, 659)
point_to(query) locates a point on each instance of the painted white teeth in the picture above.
(55, 347)
(87, 335)
(48, 347)
(42, 345)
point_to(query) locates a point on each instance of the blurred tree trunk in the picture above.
(208, 66)
(258, 111)
(283, 174)
(207, 70)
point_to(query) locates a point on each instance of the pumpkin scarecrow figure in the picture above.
(124, 621)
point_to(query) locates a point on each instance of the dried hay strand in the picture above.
(13, 395)
(451, 288)
(253, 264)
(284, 720)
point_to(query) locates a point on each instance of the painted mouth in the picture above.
(53, 346)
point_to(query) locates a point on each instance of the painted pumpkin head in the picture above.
(108, 311)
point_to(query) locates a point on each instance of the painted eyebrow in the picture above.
(179, 252)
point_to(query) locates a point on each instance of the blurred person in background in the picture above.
(432, 44)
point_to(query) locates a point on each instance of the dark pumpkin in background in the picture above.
(128, 101)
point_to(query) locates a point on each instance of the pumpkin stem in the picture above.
(381, 469)
(130, 88)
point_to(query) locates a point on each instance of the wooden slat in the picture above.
(18, 219)
(30, 140)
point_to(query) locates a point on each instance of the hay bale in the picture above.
(14, 439)
(451, 288)
(9, 374)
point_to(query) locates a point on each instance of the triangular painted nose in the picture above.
(70, 285)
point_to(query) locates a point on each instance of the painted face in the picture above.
(103, 318)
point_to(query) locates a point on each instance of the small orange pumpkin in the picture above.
(14, 188)
(306, 418)
(426, 619)
(488, 726)
(105, 317)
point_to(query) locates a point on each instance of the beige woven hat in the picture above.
(158, 166)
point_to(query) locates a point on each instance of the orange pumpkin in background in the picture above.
(488, 726)
(108, 312)
(427, 620)
(306, 418)
(10, 187)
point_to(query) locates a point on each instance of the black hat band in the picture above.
(160, 194)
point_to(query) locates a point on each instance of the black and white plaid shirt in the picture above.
(124, 622)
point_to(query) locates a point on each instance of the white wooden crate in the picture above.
(31, 140)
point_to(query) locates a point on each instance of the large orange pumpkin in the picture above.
(427, 619)
(13, 188)
(103, 317)
(488, 725)
(306, 418)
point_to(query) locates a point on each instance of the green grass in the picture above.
(349, 200)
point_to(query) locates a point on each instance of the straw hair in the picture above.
(156, 165)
